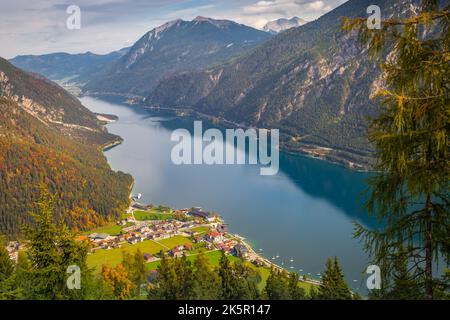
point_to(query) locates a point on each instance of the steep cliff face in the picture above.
(313, 82)
(51, 105)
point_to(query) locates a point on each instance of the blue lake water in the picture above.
(305, 213)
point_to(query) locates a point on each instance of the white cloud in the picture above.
(37, 27)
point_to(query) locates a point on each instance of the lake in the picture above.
(305, 213)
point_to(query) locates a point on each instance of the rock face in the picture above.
(313, 83)
(174, 47)
(279, 25)
(51, 105)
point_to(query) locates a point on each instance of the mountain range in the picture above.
(313, 82)
(174, 47)
(65, 67)
(282, 24)
(48, 140)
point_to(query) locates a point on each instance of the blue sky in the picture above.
(39, 26)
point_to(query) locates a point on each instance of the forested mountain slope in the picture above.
(175, 47)
(48, 139)
(313, 82)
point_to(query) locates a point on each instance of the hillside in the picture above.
(174, 47)
(48, 138)
(312, 82)
(65, 67)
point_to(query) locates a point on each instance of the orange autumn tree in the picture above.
(118, 280)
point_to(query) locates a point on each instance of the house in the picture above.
(199, 238)
(176, 252)
(148, 257)
(215, 237)
(134, 240)
(99, 237)
(223, 228)
(240, 250)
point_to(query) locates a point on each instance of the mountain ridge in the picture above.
(312, 82)
(279, 25)
(175, 47)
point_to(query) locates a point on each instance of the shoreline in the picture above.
(312, 151)
(266, 261)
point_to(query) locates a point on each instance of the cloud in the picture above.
(37, 27)
(263, 11)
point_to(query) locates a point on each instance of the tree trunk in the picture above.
(429, 250)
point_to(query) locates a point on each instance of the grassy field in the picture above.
(151, 215)
(111, 229)
(175, 241)
(114, 256)
(201, 230)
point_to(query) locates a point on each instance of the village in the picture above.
(162, 230)
(200, 230)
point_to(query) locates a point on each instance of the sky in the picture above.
(40, 26)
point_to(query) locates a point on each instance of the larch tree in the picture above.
(410, 191)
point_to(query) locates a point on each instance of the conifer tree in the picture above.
(206, 284)
(333, 285)
(295, 291)
(167, 284)
(51, 250)
(135, 265)
(277, 287)
(227, 278)
(410, 192)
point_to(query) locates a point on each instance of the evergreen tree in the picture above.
(185, 278)
(6, 265)
(228, 284)
(295, 291)
(135, 265)
(8, 285)
(333, 284)
(404, 286)
(167, 285)
(51, 250)
(410, 192)
(246, 281)
(206, 284)
(277, 288)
